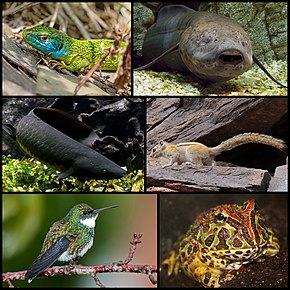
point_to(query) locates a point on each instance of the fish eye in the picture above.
(244, 44)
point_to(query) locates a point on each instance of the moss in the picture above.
(253, 82)
(31, 176)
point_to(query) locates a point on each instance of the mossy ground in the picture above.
(254, 82)
(30, 175)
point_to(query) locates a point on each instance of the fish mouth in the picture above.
(218, 64)
(231, 57)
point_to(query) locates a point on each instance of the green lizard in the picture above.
(70, 53)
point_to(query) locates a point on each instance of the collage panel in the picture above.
(100, 240)
(217, 144)
(73, 144)
(67, 49)
(223, 240)
(210, 48)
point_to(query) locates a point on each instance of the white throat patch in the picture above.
(90, 222)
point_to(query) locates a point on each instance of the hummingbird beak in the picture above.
(97, 211)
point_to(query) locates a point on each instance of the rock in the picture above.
(279, 182)
(266, 23)
(143, 18)
(189, 178)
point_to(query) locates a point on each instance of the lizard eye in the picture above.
(43, 38)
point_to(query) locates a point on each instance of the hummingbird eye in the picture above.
(86, 212)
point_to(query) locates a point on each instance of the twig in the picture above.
(136, 240)
(91, 71)
(98, 281)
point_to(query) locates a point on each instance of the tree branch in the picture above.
(117, 267)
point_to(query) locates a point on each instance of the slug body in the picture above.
(57, 139)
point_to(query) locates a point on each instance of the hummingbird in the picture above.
(67, 239)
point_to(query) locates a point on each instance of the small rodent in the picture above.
(199, 154)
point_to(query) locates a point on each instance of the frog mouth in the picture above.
(238, 257)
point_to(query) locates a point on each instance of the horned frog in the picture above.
(220, 241)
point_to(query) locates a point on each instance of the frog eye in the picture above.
(220, 217)
(256, 208)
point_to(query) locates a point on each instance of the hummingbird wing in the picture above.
(47, 258)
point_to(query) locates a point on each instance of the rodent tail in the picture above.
(245, 139)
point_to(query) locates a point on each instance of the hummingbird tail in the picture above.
(47, 258)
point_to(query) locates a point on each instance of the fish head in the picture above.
(215, 48)
(93, 165)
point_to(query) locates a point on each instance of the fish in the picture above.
(211, 47)
(64, 143)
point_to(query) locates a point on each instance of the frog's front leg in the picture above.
(173, 263)
(207, 276)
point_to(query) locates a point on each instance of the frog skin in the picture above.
(222, 240)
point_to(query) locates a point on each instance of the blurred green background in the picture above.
(28, 217)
